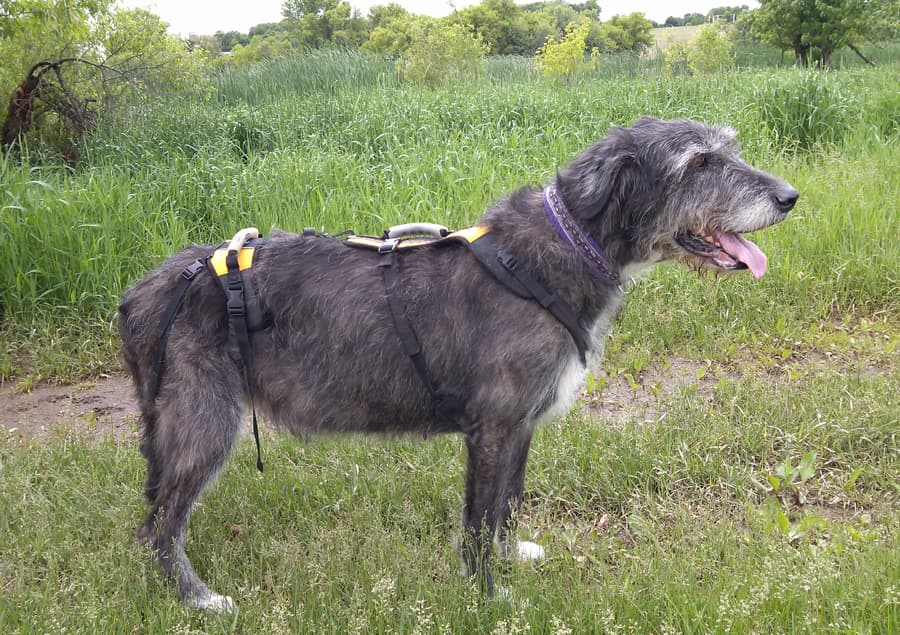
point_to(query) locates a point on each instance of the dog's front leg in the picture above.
(487, 480)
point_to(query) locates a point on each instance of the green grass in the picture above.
(664, 521)
(662, 526)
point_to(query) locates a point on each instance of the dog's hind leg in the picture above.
(198, 418)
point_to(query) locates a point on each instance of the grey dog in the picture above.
(328, 358)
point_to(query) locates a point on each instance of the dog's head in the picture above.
(674, 189)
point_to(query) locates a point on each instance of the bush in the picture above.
(711, 51)
(565, 59)
(441, 53)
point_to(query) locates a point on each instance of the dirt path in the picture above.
(107, 406)
(102, 407)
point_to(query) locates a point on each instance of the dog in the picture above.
(328, 358)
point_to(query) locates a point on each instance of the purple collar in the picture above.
(571, 232)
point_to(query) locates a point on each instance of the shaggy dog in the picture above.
(328, 357)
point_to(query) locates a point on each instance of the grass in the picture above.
(690, 517)
(652, 527)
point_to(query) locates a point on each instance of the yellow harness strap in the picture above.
(217, 260)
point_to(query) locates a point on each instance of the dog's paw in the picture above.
(529, 551)
(213, 603)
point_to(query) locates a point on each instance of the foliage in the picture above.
(815, 29)
(566, 58)
(228, 40)
(712, 50)
(627, 33)
(393, 30)
(315, 23)
(34, 30)
(80, 58)
(261, 47)
(441, 53)
(677, 58)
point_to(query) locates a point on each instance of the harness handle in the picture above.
(416, 229)
(242, 237)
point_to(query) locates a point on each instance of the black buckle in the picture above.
(235, 302)
(192, 269)
(309, 231)
(507, 260)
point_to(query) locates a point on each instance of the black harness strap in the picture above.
(449, 409)
(168, 317)
(237, 315)
(506, 269)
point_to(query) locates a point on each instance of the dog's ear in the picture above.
(604, 177)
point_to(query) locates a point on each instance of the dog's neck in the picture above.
(596, 261)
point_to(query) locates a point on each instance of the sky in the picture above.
(208, 16)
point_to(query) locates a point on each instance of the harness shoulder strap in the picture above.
(506, 269)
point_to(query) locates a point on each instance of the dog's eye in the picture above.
(698, 161)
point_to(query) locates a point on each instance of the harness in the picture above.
(244, 313)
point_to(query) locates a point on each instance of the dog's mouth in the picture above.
(727, 251)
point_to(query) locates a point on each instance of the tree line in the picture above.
(811, 29)
(66, 60)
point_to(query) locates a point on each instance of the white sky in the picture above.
(209, 16)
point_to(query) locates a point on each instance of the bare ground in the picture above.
(103, 407)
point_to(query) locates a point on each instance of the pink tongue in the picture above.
(744, 251)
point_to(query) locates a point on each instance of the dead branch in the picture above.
(46, 85)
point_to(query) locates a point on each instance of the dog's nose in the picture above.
(786, 197)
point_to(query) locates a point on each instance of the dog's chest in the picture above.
(569, 382)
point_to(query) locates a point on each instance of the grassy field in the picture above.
(667, 36)
(760, 496)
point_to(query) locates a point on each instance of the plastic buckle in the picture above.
(235, 302)
(507, 260)
(309, 231)
(192, 269)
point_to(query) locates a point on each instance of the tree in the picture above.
(228, 39)
(393, 30)
(694, 19)
(68, 61)
(726, 13)
(627, 33)
(712, 50)
(814, 29)
(319, 22)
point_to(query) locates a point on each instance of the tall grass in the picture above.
(323, 141)
(327, 70)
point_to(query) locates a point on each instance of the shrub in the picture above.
(441, 53)
(711, 51)
(565, 59)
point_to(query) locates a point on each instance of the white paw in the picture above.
(529, 551)
(214, 603)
